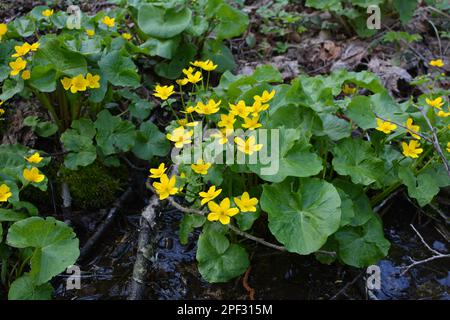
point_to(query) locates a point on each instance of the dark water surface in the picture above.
(274, 275)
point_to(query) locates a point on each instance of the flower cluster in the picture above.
(20, 64)
(80, 83)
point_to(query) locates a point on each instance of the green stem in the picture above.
(44, 99)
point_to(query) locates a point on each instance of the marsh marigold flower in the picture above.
(443, 114)
(163, 92)
(201, 167)
(210, 108)
(194, 77)
(34, 46)
(33, 175)
(209, 195)
(435, 103)
(182, 82)
(265, 97)
(385, 126)
(347, 90)
(93, 81)
(258, 107)
(251, 123)
(222, 135)
(448, 146)
(90, 32)
(26, 74)
(437, 63)
(127, 36)
(158, 172)
(17, 66)
(166, 187)
(248, 146)
(47, 13)
(79, 83)
(34, 158)
(66, 82)
(180, 136)
(227, 121)
(222, 212)
(5, 193)
(207, 65)
(245, 203)
(412, 149)
(2, 112)
(3, 29)
(108, 21)
(412, 128)
(240, 109)
(21, 50)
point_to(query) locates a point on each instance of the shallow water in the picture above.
(274, 275)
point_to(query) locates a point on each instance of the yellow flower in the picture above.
(34, 158)
(211, 194)
(163, 92)
(443, 114)
(265, 97)
(90, 32)
(2, 112)
(21, 50)
(448, 146)
(189, 109)
(347, 90)
(207, 65)
(33, 175)
(190, 71)
(249, 146)
(437, 63)
(79, 83)
(93, 81)
(185, 123)
(26, 75)
(226, 121)
(222, 135)
(3, 29)
(194, 77)
(385, 126)
(436, 103)
(210, 108)
(412, 149)
(221, 212)
(240, 109)
(180, 136)
(258, 107)
(127, 36)
(252, 123)
(34, 46)
(47, 13)
(66, 82)
(166, 187)
(109, 22)
(158, 172)
(17, 66)
(245, 203)
(201, 167)
(412, 128)
(182, 82)
(5, 193)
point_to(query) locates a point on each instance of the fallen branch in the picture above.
(250, 290)
(436, 254)
(144, 249)
(105, 224)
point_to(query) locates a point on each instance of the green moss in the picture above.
(94, 186)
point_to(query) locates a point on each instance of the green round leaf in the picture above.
(55, 245)
(302, 219)
(163, 23)
(24, 288)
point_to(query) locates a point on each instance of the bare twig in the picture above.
(232, 227)
(435, 141)
(348, 285)
(436, 254)
(250, 290)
